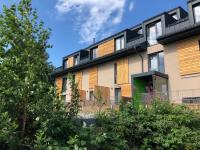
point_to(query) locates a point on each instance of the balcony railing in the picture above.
(136, 41)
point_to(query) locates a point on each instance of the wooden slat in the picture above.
(79, 78)
(122, 71)
(59, 85)
(189, 56)
(106, 48)
(126, 90)
(93, 77)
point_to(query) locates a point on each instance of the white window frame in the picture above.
(119, 43)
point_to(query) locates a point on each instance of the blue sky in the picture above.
(75, 23)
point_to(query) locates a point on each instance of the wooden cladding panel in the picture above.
(104, 91)
(93, 77)
(189, 56)
(122, 71)
(79, 78)
(126, 90)
(59, 85)
(70, 62)
(106, 48)
(82, 95)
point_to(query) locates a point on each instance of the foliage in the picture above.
(100, 101)
(162, 126)
(74, 106)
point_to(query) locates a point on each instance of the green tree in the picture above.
(25, 91)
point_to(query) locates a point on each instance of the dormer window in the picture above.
(76, 60)
(196, 11)
(154, 31)
(119, 43)
(93, 53)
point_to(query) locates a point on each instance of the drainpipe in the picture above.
(142, 59)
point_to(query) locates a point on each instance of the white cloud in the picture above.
(131, 6)
(96, 17)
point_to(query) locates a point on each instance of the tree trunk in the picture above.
(24, 119)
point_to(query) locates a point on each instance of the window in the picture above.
(64, 85)
(175, 16)
(157, 62)
(139, 31)
(91, 95)
(93, 54)
(65, 64)
(119, 43)
(115, 73)
(196, 10)
(117, 95)
(76, 60)
(154, 31)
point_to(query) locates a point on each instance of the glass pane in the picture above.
(64, 85)
(197, 13)
(152, 35)
(118, 44)
(159, 29)
(117, 96)
(140, 31)
(161, 62)
(95, 53)
(91, 95)
(154, 63)
(65, 64)
(122, 43)
(76, 60)
(175, 16)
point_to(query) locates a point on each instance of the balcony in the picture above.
(137, 41)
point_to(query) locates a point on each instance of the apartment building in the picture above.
(159, 56)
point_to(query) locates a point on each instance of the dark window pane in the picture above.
(93, 54)
(115, 72)
(91, 95)
(65, 64)
(64, 85)
(117, 95)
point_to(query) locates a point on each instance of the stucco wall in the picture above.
(135, 64)
(106, 77)
(85, 82)
(155, 48)
(179, 86)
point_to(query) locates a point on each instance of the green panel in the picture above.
(139, 87)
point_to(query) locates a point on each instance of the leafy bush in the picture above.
(162, 126)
